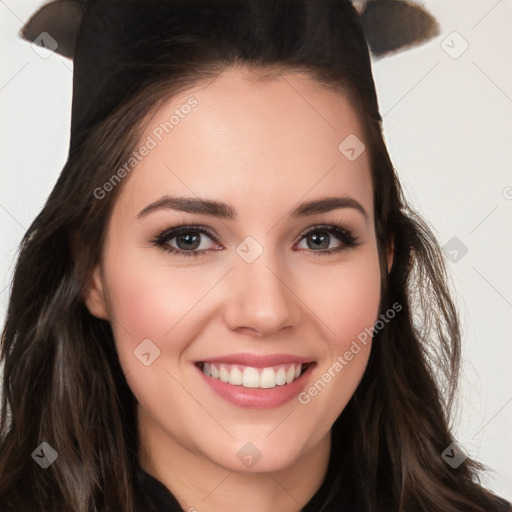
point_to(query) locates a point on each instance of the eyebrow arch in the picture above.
(223, 210)
(326, 205)
(190, 205)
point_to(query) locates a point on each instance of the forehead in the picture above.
(242, 137)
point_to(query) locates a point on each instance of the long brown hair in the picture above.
(62, 381)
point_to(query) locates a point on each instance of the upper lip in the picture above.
(257, 361)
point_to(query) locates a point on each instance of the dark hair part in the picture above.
(62, 380)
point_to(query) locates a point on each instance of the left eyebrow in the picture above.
(223, 210)
(326, 205)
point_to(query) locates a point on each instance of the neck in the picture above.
(199, 484)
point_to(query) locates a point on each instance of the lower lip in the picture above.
(258, 398)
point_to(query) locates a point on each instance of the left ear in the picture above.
(94, 295)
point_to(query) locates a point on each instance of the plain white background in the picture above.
(447, 120)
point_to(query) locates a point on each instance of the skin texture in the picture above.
(261, 147)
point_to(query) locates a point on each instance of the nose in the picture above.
(260, 301)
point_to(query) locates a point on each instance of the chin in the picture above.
(258, 454)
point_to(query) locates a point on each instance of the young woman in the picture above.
(225, 303)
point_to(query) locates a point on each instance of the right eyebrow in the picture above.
(190, 205)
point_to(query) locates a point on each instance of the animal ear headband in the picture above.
(120, 46)
(389, 25)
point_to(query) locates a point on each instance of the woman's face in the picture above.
(240, 253)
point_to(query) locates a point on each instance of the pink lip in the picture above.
(257, 398)
(258, 361)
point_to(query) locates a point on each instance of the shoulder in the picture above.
(151, 495)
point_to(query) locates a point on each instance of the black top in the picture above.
(334, 495)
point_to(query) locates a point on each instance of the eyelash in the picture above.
(345, 236)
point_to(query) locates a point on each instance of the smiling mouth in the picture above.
(250, 377)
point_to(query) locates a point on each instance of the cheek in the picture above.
(346, 298)
(137, 301)
(358, 301)
(149, 301)
(348, 305)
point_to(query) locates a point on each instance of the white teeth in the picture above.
(281, 376)
(250, 377)
(223, 374)
(268, 378)
(235, 377)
